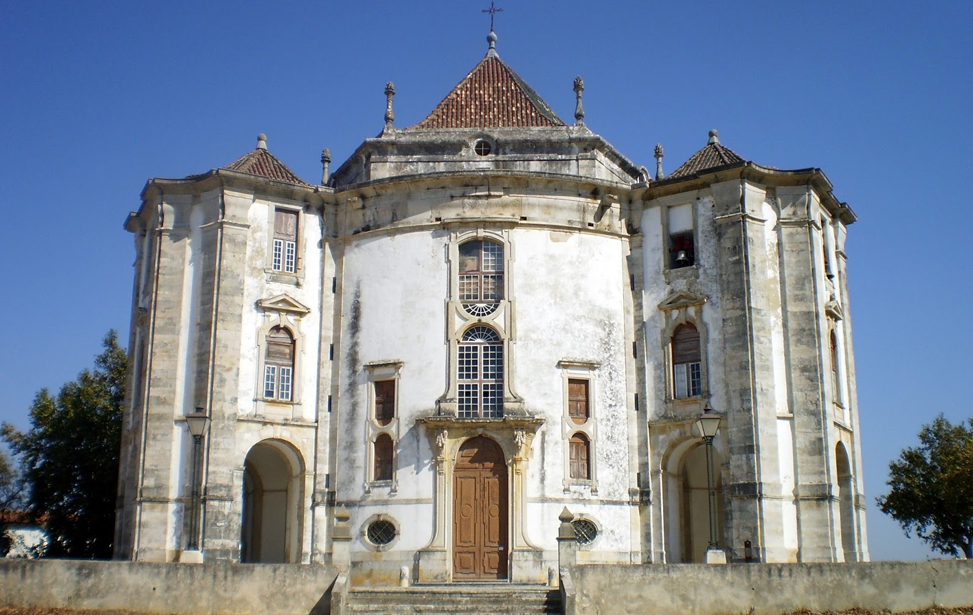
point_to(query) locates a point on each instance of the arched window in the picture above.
(480, 374)
(580, 454)
(279, 365)
(480, 276)
(383, 457)
(687, 369)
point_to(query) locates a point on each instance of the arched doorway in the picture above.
(480, 511)
(687, 503)
(273, 489)
(846, 503)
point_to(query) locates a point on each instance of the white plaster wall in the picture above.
(394, 290)
(569, 306)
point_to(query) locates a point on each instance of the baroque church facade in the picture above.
(475, 322)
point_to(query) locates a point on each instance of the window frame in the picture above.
(472, 361)
(278, 367)
(686, 375)
(382, 374)
(682, 239)
(380, 463)
(483, 303)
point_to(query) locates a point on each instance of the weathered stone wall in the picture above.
(761, 589)
(271, 589)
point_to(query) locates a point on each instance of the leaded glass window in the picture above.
(480, 374)
(480, 276)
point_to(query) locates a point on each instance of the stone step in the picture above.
(456, 600)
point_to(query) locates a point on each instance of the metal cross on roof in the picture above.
(493, 10)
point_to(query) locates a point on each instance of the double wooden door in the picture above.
(480, 511)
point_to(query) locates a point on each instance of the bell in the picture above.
(682, 258)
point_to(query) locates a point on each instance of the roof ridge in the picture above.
(712, 155)
(491, 95)
(262, 163)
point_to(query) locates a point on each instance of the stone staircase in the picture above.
(469, 599)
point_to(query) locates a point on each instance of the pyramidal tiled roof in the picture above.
(491, 96)
(711, 156)
(261, 162)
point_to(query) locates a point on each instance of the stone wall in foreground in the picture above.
(183, 589)
(767, 589)
(296, 589)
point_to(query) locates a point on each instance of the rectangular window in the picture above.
(682, 252)
(688, 379)
(285, 241)
(469, 359)
(468, 395)
(492, 400)
(284, 390)
(270, 381)
(578, 400)
(384, 401)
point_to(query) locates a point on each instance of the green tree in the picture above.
(932, 487)
(11, 498)
(69, 456)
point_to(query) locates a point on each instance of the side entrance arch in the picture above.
(273, 489)
(480, 512)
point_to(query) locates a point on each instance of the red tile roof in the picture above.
(491, 96)
(263, 163)
(711, 156)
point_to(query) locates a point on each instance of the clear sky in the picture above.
(96, 97)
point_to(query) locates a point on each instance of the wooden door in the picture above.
(480, 512)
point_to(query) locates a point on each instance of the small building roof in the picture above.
(262, 163)
(491, 96)
(713, 155)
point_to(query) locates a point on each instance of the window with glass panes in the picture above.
(285, 241)
(279, 365)
(480, 276)
(687, 367)
(480, 374)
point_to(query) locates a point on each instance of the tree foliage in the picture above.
(932, 487)
(70, 456)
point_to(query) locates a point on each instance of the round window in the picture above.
(380, 532)
(482, 148)
(585, 530)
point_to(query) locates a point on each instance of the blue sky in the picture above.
(99, 96)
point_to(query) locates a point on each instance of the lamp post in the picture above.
(198, 422)
(708, 424)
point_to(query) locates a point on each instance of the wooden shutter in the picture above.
(285, 225)
(383, 457)
(578, 400)
(384, 401)
(685, 345)
(580, 467)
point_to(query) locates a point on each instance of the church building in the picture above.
(477, 321)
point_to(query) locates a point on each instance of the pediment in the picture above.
(283, 303)
(681, 299)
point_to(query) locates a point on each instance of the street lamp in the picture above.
(198, 422)
(708, 424)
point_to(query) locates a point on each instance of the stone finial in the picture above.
(325, 165)
(261, 141)
(566, 530)
(714, 137)
(578, 108)
(389, 94)
(492, 42)
(658, 161)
